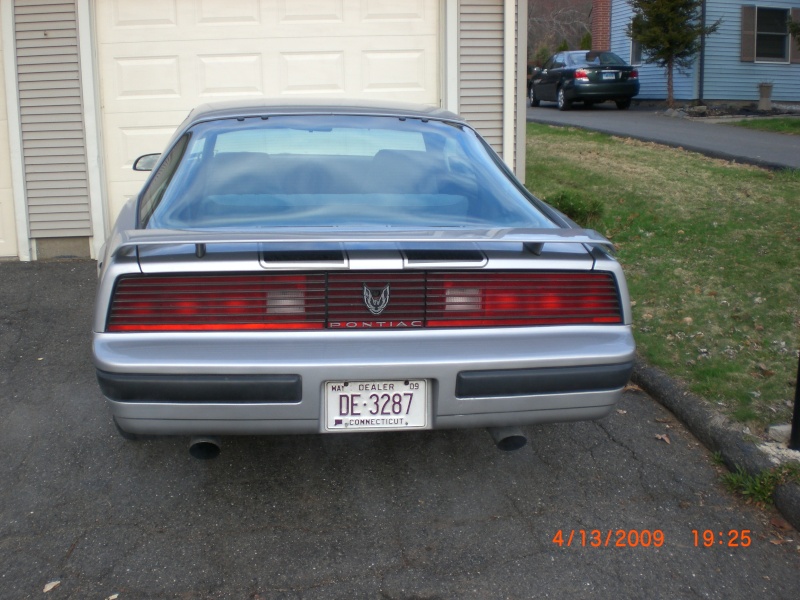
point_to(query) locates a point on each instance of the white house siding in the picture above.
(8, 237)
(652, 78)
(491, 63)
(51, 118)
(726, 76)
(481, 67)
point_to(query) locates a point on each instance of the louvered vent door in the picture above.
(481, 68)
(51, 115)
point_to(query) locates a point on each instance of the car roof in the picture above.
(284, 106)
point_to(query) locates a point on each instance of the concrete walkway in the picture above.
(710, 137)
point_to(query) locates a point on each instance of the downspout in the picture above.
(701, 67)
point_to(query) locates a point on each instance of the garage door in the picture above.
(8, 237)
(159, 58)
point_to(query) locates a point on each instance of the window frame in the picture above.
(786, 37)
(500, 201)
(636, 53)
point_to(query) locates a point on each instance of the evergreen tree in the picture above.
(669, 32)
(541, 55)
(794, 31)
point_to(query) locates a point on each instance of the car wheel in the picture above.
(532, 99)
(561, 100)
(624, 104)
(125, 434)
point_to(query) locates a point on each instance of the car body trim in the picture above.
(553, 380)
(142, 387)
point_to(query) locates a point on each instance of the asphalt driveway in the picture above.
(433, 515)
(710, 137)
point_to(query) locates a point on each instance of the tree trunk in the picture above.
(670, 91)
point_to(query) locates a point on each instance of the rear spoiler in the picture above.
(533, 239)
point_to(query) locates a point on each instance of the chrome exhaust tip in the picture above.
(204, 447)
(508, 439)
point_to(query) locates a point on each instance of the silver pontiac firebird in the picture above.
(330, 268)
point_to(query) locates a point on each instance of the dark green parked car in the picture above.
(584, 76)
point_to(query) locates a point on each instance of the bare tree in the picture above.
(552, 23)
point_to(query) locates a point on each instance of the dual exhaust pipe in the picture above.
(507, 439)
(205, 447)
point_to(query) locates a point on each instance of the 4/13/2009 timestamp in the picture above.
(619, 538)
(646, 538)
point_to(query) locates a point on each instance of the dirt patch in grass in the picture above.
(711, 250)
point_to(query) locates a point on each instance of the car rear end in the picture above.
(320, 320)
(521, 339)
(602, 77)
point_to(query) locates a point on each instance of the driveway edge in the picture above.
(730, 157)
(716, 432)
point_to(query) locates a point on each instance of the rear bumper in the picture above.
(165, 419)
(529, 382)
(602, 91)
(287, 389)
(268, 384)
(200, 389)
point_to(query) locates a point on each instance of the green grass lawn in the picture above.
(790, 125)
(711, 250)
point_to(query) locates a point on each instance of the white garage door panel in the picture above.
(156, 20)
(165, 82)
(134, 135)
(160, 58)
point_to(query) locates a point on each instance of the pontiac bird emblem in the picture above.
(376, 305)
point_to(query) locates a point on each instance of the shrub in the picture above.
(587, 213)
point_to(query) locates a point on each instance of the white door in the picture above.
(160, 58)
(8, 230)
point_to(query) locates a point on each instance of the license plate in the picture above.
(611, 75)
(376, 404)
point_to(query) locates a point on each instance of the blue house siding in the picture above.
(652, 78)
(726, 77)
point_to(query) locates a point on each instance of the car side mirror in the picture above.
(537, 71)
(146, 162)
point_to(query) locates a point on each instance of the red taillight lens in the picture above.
(362, 300)
(507, 298)
(581, 75)
(634, 74)
(218, 303)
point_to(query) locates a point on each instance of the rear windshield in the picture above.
(310, 171)
(594, 59)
